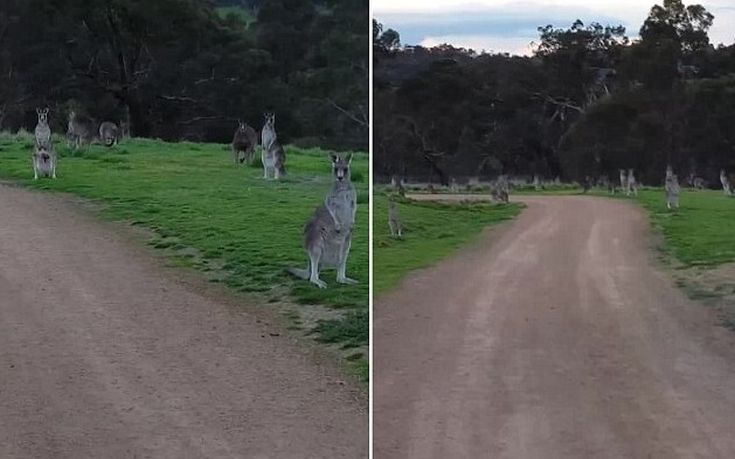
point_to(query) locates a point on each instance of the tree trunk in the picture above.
(443, 178)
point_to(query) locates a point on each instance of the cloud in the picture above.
(508, 26)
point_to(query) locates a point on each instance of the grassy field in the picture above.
(428, 237)
(223, 220)
(701, 232)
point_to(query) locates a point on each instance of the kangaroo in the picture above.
(726, 187)
(586, 184)
(394, 220)
(397, 183)
(245, 141)
(268, 134)
(672, 189)
(632, 184)
(328, 233)
(623, 180)
(274, 160)
(43, 131)
(124, 130)
(272, 154)
(109, 133)
(44, 161)
(500, 190)
(79, 132)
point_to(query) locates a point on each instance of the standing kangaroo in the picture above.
(272, 154)
(726, 186)
(42, 131)
(268, 134)
(394, 220)
(109, 133)
(500, 189)
(632, 184)
(79, 132)
(328, 234)
(245, 140)
(672, 189)
(44, 161)
(623, 181)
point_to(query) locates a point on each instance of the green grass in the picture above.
(431, 232)
(701, 232)
(224, 220)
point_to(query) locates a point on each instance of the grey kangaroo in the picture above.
(726, 187)
(632, 184)
(44, 161)
(79, 132)
(43, 131)
(328, 234)
(623, 181)
(109, 133)
(268, 134)
(499, 191)
(244, 141)
(672, 189)
(394, 220)
(272, 154)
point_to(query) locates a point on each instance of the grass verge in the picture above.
(431, 232)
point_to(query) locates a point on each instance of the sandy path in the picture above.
(104, 355)
(555, 337)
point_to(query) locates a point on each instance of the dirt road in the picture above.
(556, 337)
(103, 354)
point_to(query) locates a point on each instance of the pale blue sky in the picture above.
(510, 26)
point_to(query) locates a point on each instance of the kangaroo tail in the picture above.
(298, 272)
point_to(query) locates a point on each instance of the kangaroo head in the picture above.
(270, 119)
(341, 166)
(240, 126)
(42, 115)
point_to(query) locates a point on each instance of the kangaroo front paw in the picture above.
(318, 282)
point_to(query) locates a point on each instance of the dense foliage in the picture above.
(588, 102)
(190, 68)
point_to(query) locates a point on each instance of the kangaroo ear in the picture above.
(333, 157)
(348, 158)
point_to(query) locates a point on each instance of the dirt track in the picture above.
(554, 337)
(104, 355)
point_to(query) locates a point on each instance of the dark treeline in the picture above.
(189, 69)
(588, 102)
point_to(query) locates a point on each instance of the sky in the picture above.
(510, 25)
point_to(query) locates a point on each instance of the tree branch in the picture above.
(362, 122)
